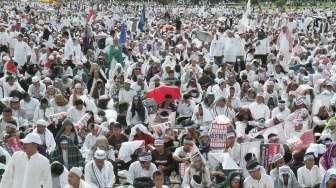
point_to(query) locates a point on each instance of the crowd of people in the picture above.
(106, 94)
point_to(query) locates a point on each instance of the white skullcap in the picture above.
(77, 171)
(41, 122)
(100, 154)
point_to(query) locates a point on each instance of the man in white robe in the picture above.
(142, 168)
(281, 110)
(20, 51)
(46, 136)
(99, 172)
(28, 168)
(309, 175)
(37, 89)
(29, 105)
(75, 181)
(258, 109)
(68, 47)
(256, 178)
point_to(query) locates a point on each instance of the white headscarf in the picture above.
(142, 128)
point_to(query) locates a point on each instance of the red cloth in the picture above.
(148, 139)
(159, 93)
(14, 144)
(10, 67)
(305, 140)
(90, 16)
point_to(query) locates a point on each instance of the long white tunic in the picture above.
(135, 171)
(68, 50)
(259, 111)
(308, 178)
(20, 53)
(106, 174)
(22, 172)
(82, 184)
(29, 108)
(265, 182)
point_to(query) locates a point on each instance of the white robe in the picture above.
(29, 108)
(265, 181)
(22, 172)
(309, 178)
(106, 174)
(82, 184)
(49, 139)
(135, 171)
(20, 53)
(259, 111)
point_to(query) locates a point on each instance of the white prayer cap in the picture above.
(145, 157)
(46, 79)
(42, 122)
(6, 58)
(100, 154)
(309, 156)
(51, 57)
(158, 142)
(284, 170)
(77, 171)
(32, 138)
(35, 79)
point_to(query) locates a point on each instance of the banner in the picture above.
(217, 135)
(276, 129)
(268, 151)
(218, 131)
(304, 141)
(159, 130)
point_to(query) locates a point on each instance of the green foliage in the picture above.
(280, 3)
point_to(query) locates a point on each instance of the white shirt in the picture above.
(259, 111)
(43, 114)
(126, 96)
(49, 139)
(82, 184)
(230, 52)
(90, 140)
(135, 171)
(20, 52)
(4, 38)
(186, 109)
(308, 178)
(29, 108)
(37, 92)
(22, 172)
(265, 181)
(283, 114)
(68, 50)
(75, 114)
(218, 92)
(217, 48)
(263, 47)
